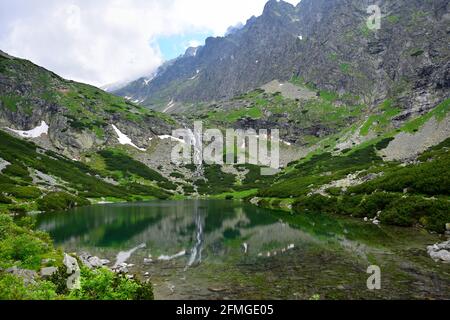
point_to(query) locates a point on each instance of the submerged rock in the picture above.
(440, 252)
(121, 268)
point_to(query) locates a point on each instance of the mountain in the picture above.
(80, 117)
(353, 106)
(325, 43)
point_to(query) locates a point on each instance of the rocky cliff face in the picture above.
(327, 44)
(80, 117)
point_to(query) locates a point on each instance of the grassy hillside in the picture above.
(360, 184)
(36, 179)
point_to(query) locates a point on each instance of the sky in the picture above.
(103, 42)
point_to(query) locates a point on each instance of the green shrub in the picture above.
(177, 175)
(407, 212)
(60, 201)
(21, 192)
(120, 162)
(334, 191)
(139, 189)
(103, 284)
(14, 288)
(15, 170)
(25, 248)
(315, 204)
(4, 199)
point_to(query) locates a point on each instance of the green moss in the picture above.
(417, 52)
(345, 68)
(10, 101)
(393, 19)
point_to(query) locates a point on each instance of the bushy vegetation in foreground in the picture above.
(23, 247)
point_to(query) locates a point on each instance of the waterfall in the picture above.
(197, 143)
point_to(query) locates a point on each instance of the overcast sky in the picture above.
(107, 41)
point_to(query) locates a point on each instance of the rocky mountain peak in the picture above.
(325, 43)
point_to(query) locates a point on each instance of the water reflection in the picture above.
(196, 251)
(196, 229)
(190, 246)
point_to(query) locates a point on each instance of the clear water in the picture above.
(205, 249)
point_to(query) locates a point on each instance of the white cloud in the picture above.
(106, 41)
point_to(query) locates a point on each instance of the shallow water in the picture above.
(207, 249)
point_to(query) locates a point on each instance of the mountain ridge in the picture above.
(328, 45)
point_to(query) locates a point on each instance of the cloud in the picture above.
(108, 41)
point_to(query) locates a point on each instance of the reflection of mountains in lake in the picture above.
(170, 226)
(162, 224)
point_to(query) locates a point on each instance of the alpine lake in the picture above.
(217, 249)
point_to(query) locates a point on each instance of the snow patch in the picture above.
(170, 105)
(33, 133)
(3, 164)
(124, 139)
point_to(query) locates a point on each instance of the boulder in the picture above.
(440, 252)
(121, 268)
(48, 272)
(93, 262)
(28, 276)
(442, 255)
(71, 264)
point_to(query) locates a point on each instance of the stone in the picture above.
(442, 255)
(48, 272)
(71, 264)
(447, 226)
(105, 261)
(440, 252)
(121, 268)
(148, 261)
(444, 245)
(28, 276)
(93, 262)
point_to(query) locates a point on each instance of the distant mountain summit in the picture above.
(325, 43)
